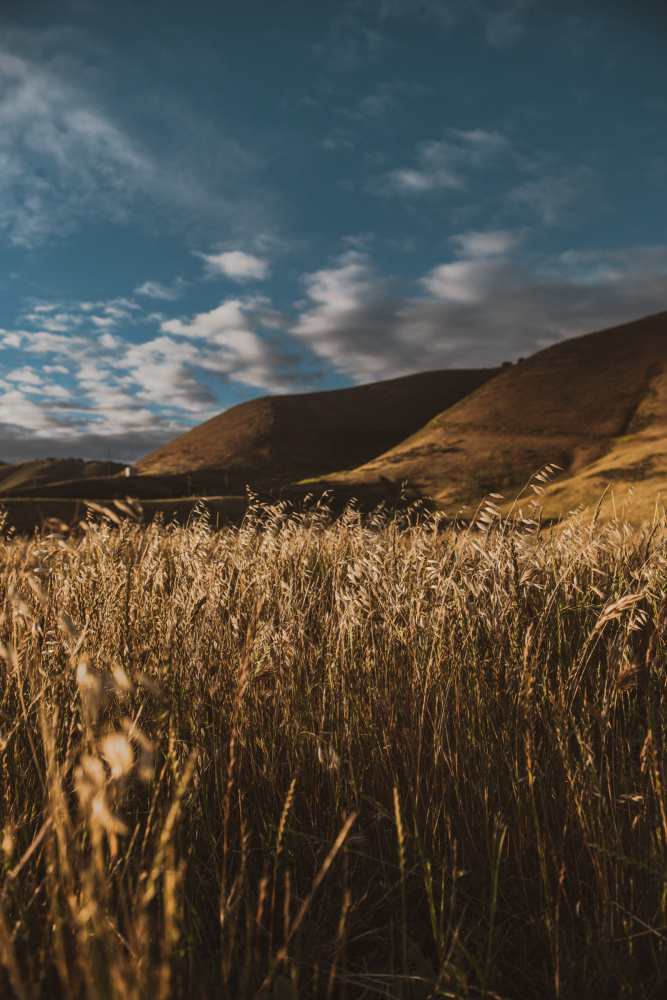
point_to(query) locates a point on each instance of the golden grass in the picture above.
(334, 758)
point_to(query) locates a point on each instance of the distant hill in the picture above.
(276, 440)
(43, 472)
(596, 405)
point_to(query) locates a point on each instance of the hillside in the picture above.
(42, 472)
(279, 439)
(595, 405)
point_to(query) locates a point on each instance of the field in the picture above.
(352, 757)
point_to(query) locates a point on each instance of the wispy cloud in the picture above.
(350, 43)
(236, 264)
(66, 160)
(443, 164)
(339, 138)
(557, 197)
(493, 243)
(291, 104)
(502, 21)
(156, 290)
(60, 158)
(386, 98)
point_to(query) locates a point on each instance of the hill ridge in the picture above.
(294, 437)
(576, 398)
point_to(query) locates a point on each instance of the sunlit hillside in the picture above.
(595, 405)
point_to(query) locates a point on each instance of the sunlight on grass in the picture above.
(324, 757)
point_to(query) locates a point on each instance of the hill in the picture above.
(43, 472)
(595, 405)
(276, 440)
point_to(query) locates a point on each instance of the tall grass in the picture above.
(311, 757)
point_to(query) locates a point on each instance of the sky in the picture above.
(204, 203)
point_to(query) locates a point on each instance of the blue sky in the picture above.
(206, 202)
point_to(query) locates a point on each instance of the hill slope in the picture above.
(278, 439)
(42, 472)
(594, 404)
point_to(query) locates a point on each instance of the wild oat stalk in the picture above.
(203, 733)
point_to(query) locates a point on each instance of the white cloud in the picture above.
(475, 311)
(494, 243)
(162, 372)
(441, 164)
(27, 375)
(12, 338)
(210, 325)
(112, 389)
(58, 323)
(235, 264)
(351, 316)
(109, 342)
(490, 302)
(232, 347)
(26, 416)
(156, 290)
(45, 342)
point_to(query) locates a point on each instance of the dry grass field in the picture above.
(317, 757)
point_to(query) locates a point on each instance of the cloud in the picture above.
(156, 290)
(339, 138)
(350, 44)
(232, 349)
(237, 265)
(556, 198)
(27, 417)
(476, 311)
(74, 316)
(493, 243)
(109, 381)
(289, 105)
(386, 98)
(163, 372)
(503, 21)
(60, 158)
(442, 164)
(66, 160)
(87, 391)
(351, 318)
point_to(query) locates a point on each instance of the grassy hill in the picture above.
(43, 472)
(595, 405)
(279, 439)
